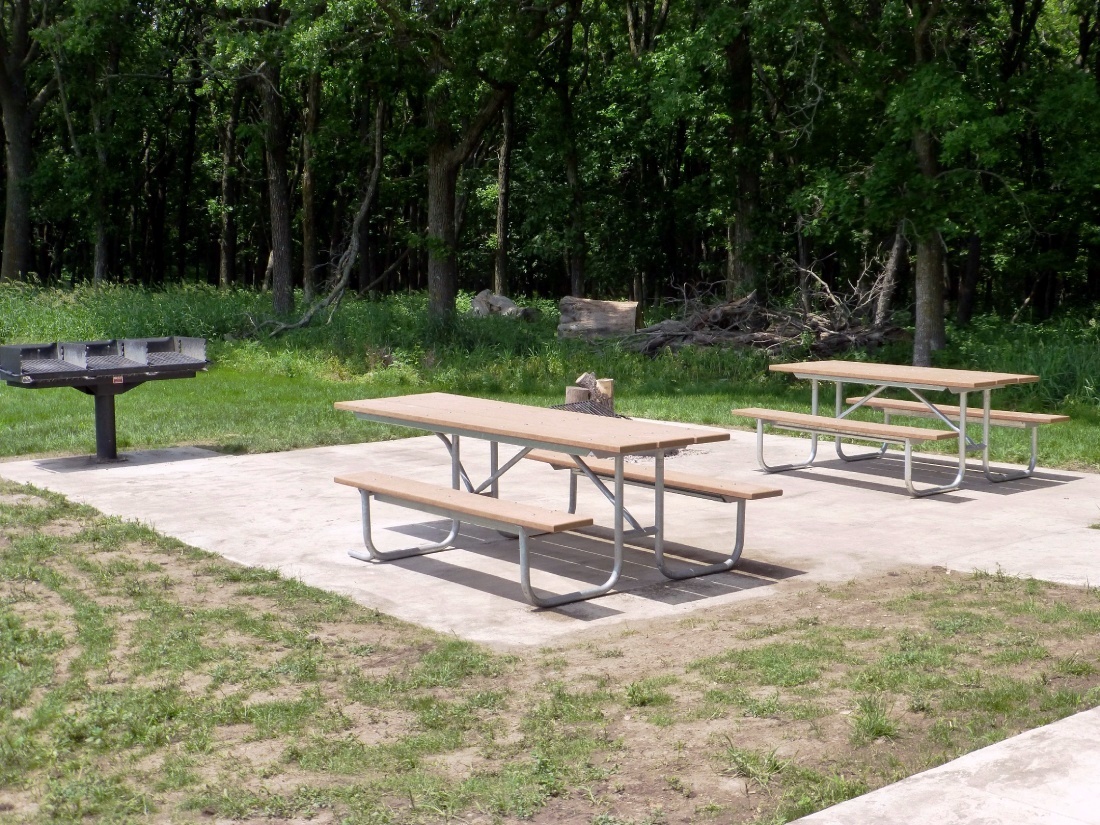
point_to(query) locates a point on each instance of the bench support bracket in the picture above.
(692, 571)
(372, 553)
(999, 477)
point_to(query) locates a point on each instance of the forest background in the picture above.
(946, 152)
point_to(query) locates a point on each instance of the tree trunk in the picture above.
(19, 109)
(741, 270)
(366, 252)
(17, 216)
(102, 247)
(1092, 271)
(929, 334)
(446, 154)
(504, 176)
(442, 263)
(576, 245)
(183, 219)
(309, 217)
(889, 285)
(102, 124)
(278, 190)
(968, 284)
(227, 242)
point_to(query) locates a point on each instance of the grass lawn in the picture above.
(263, 395)
(143, 680)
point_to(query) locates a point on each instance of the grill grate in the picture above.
(164, 359)
(110, 362)
(589, 407)
(41, 366)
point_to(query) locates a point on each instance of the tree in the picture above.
(23, 95)
(461, 101)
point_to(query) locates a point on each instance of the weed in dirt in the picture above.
(757, 767)
(649, 692)
(782, 664)
(871, 720)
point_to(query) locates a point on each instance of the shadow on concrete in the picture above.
(87, 463)
(928, 471)
(585, 558)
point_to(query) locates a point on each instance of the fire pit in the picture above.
(102, 369)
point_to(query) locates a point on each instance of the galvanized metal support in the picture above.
(996, 478)
(693, 570)
(843, 413)
(372, 552)
(780, 468)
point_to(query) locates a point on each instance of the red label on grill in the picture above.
(116, 379)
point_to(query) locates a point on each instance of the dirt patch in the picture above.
(62, 528)
(22, 500)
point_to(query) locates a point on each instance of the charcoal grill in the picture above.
(102, 369)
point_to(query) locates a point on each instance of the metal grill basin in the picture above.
(102, 369)
(84, 363)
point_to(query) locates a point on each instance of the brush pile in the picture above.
(745, 322)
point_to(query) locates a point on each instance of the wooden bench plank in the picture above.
(845, 426)
(461, 502)
(1008, 418)
(674, 481)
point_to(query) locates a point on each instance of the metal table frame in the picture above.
(967, 444)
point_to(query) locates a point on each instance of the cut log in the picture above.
(575, 395)
(585, 318)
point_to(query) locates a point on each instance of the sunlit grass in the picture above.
(266, 394)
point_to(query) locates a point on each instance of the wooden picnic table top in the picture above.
(525, 425)
(861, 372)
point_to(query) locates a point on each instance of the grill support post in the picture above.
(104, 392)
(106, 445)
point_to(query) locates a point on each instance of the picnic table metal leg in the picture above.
(372, 553)
(999, 477)
(579, 595)
(779, 468)
(841, 413)
(458, 472)
(692, 571)
(595, 479)
(963, 450)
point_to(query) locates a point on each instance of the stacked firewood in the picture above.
(746, 322)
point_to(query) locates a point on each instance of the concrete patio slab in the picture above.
(1047, 775)
(834, 522)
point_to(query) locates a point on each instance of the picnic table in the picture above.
(590, 446)
(917, 381)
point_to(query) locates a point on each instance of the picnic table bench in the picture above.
(708, 487)
(459, 505)
(916, 381)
